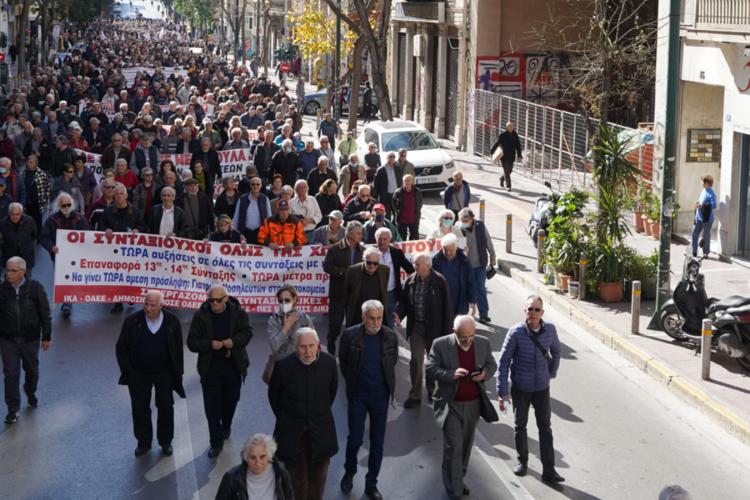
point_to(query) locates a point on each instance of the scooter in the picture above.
(541, 214)
(682, 316)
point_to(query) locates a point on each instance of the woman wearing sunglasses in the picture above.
(282, 325)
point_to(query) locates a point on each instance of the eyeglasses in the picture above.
(372, 262)
(534, 309)
(218, 300)
(66, 205)
(285, 301)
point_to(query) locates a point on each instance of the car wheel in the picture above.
(312, 107)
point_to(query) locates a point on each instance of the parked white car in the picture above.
(433, 166)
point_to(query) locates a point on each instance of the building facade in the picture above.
(713, 115)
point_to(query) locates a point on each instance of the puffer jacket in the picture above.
(201, 334)
(529, 370)
(26, 316)
(234, 483)
(282, 233)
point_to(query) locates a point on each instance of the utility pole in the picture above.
(256, 52)
(237, 27)
(670, 158)
(337, 68)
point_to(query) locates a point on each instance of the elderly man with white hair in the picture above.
(460, 363)
(27, 324)
(150, 356)
(366, 280)
(453, 264)
(285, 163)
(219, 332)
(259, 476)
(394, 259)
(426, 303)
(301, 391)
(306, 208)
(65, 217)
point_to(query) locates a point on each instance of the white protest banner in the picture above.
(123, 267)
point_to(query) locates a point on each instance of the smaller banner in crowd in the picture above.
(123, 267)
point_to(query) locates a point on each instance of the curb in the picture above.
(684, 389)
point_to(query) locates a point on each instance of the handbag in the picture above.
(544, 352)
(498, 154)
(491, 272)
(268, 370)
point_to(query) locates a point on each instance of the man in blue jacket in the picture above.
(531, 353)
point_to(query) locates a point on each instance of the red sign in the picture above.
(285, 67)
(2, 57)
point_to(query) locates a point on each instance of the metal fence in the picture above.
(555, 142)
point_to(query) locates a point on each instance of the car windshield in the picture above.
(412, 141)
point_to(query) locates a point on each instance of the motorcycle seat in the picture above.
(731, 302)
(745, 309)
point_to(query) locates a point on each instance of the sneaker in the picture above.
(11, 417)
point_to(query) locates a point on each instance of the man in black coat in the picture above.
(199, 211)
(340, 256)
(388, 179)
(285, 163)
(18, 235)
(208, 156)
(367, 358)
(427, 303)
(511, 145)
(219, 332)
(263, 157)
(26, 319)
(301, 391)
(149, 353)
(175, 217)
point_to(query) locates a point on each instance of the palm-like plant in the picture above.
(612, 168)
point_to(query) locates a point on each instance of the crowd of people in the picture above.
(111, 94)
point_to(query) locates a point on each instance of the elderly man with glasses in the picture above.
(27, 324)
(149, 353)
(252, 210)
(531, 355)
(219, 332)
(366, 280)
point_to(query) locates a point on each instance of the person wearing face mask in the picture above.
(460, 363)
(377, 221)
(352, 172)
(481, 254)
(282, 326)
(65, 217)
(219, 332)
(367, 359)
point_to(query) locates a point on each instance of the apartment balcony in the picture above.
(420, 12)
(718, 20)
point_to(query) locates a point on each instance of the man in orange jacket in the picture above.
(282, 230)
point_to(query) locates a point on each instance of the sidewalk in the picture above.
(725, 397)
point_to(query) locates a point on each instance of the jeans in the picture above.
(15, 355)
(704, 229)
(390, 308)
(336, 315)
(221, 391)
(479, 295)
(420, 346)
(540, 400)
(360, 406)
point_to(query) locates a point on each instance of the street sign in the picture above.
(285, 67)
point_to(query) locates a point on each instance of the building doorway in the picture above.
(744, 232)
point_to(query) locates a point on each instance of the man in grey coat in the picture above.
(531, 353)
(460, 363)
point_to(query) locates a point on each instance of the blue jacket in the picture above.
(448, 198)
(461, 284)
(529, 371)
(707, 196)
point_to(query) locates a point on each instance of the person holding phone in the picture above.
(460, 363)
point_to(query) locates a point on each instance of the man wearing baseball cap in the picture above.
(282, 230)
(331, 233)
(377, 221)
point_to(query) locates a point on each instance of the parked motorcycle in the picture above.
(682, 316)
(541, 214)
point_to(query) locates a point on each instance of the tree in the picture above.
(610, 48)
(375, 36)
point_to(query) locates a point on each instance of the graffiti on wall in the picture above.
(534, 77)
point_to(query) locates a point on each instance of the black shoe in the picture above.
(552, 477)
(11, 417)
(485, 320)
(214, 451)
(466, 491)
(346, 483)
(116, 309)
(66, 310)
(332, 348)
(412, 403)
(373, 493)
(33, 401)
(520, 469)
(167, 450)
(142, 449)
(227, 433)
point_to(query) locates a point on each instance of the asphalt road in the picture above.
(617, 433)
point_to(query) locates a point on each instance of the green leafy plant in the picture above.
(566, 232)
(612, 169)
(608, 263)
(609, 223)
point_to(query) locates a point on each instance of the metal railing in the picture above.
(556, 143)
(733, 15)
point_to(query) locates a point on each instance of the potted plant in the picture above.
(648, 283)
(609, 271)
(565, 236)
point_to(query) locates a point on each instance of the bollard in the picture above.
(635, 308)
(508, 233)
(582, 263)
(706, 349)
(481, 208)
(541, 239)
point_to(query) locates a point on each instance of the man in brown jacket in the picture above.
(365, 281)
